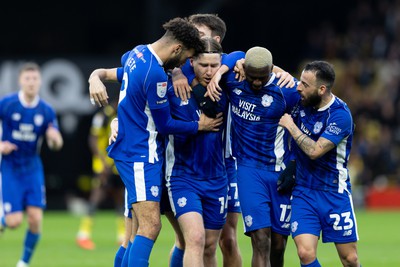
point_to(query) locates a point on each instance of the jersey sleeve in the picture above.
(339, 125)
(188, 71)
(124, 57)
(230, 59)
(292, 97)
(167, 125)
(51, 117)
(158, 102)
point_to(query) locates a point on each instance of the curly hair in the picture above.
(184, 32)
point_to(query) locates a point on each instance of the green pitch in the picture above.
(378, 246)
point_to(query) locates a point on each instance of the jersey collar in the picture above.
(155, 55)
(328, 105)
(25, 104)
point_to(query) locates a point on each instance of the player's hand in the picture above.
(213, 88)
(53, 138)
(6, 147)
(114, 131)
(98, 91)
(286, 120)
(287, 177)
(240, 75)
(181, 86)
(210, 124)
(285, 79)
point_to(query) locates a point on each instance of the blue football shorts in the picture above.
(233, 193)
(207, 197)
(142, 180)
(316, 211)
(262, 205)
(22, 189)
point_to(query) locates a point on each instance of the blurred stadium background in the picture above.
(360, 37)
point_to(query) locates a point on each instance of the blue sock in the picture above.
(177, 257)
(139, 254)
(119, 256)
(3, 221)
(312, 264)
(125, 259)
(31, 240)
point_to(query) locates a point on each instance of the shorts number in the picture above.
(347, 220)
(224, 204)
(234, 187)
(286, 213)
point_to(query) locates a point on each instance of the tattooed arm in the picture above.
(313, 149)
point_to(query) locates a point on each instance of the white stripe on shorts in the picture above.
(140, 184)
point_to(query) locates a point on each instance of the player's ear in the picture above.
(321, 90)
(177, 49)
(217, 38)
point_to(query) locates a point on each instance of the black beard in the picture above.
(313, 101)
(171, 64)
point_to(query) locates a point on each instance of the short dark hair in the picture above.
(29, 66)
(184, 32)
(324, 72)
(211, 46)
(212, 21)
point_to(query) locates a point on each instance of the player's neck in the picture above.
(29, 99)
(325, 100)
(161, 49)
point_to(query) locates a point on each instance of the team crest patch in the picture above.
(38, 119)
(294, 226)
(248, 220)
(161, 89)
(154, 190)
(266, 100)
(182, 202)
(16, 116)
(317, 127)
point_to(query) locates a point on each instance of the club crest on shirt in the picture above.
(267, 100)
(161, 89)
(16, 116)
(317, 127)
(38, 119)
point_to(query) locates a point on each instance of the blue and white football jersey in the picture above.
(258, 140)
(24, 125)
(143, 110)
(197, 155)
(335, 123)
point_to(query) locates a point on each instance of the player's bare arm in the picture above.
(313, 149)
(53, 138)
(285, 78)
(97, 89)
(213, 88)
(181, 85)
